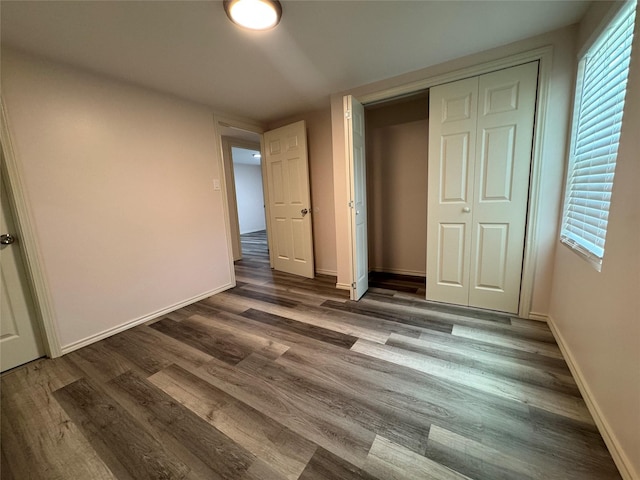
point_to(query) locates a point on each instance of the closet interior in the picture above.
(397, 144)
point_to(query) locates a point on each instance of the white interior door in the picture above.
(287, 170)
(19, 336)
(480, 132)
(354, 130)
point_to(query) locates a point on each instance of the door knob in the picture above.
(304, 211)
(7, 239)
(466, 209)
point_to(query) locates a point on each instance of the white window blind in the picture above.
(599, 105)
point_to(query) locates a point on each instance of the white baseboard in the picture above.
(619, 456)
(400, 271)
(323, 271)
(540, 317)
(137, 321)
(343, 286)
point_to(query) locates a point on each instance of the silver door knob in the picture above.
(304, 211)
(466, 209)
(7, 239)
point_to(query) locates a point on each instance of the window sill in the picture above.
(595, 262)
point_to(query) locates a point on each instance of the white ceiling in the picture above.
(190, 49)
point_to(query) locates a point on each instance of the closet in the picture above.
(480, 145)
(448, 175)
(396, 166)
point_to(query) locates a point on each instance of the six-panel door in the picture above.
(287, 168)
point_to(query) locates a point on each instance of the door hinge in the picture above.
(351, 204)
(347, 114)
(353, 284)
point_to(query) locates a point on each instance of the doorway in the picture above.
(247, 173)
(250, 205)
(286, 193)
(397, 146)
(245, 188)
(396, 164)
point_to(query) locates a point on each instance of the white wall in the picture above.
(597, 314)
(250, 197)
(554, 138)
(397, 137)
(119, 183)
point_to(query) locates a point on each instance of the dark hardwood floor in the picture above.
(285, 378)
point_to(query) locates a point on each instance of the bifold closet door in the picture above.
(480, 140)
(452, 154)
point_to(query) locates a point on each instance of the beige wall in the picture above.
(397, 136)
(321, 177)
(554, 145)
(119, 183)
(598, 313)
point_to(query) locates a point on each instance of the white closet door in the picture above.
(480, 140)
(506, 106)
(452, 140)
(354, 130)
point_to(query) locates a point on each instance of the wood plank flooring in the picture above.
(285, 378)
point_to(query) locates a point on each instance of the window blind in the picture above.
(599, 105)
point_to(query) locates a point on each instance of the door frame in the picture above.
(227, 145)
(221, 121)
(544, 55)
(34, 264)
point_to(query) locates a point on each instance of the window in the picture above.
(597, 118)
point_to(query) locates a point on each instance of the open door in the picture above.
(289, 200)
(20, 340)
(354, 133)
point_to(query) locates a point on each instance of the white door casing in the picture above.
(287, 171)
(355, 136)
(20, 340)
(229, 179)
(481, 132)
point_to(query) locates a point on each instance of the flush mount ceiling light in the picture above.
(254, 14)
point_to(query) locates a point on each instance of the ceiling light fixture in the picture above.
(254, 14)
(257, 155)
